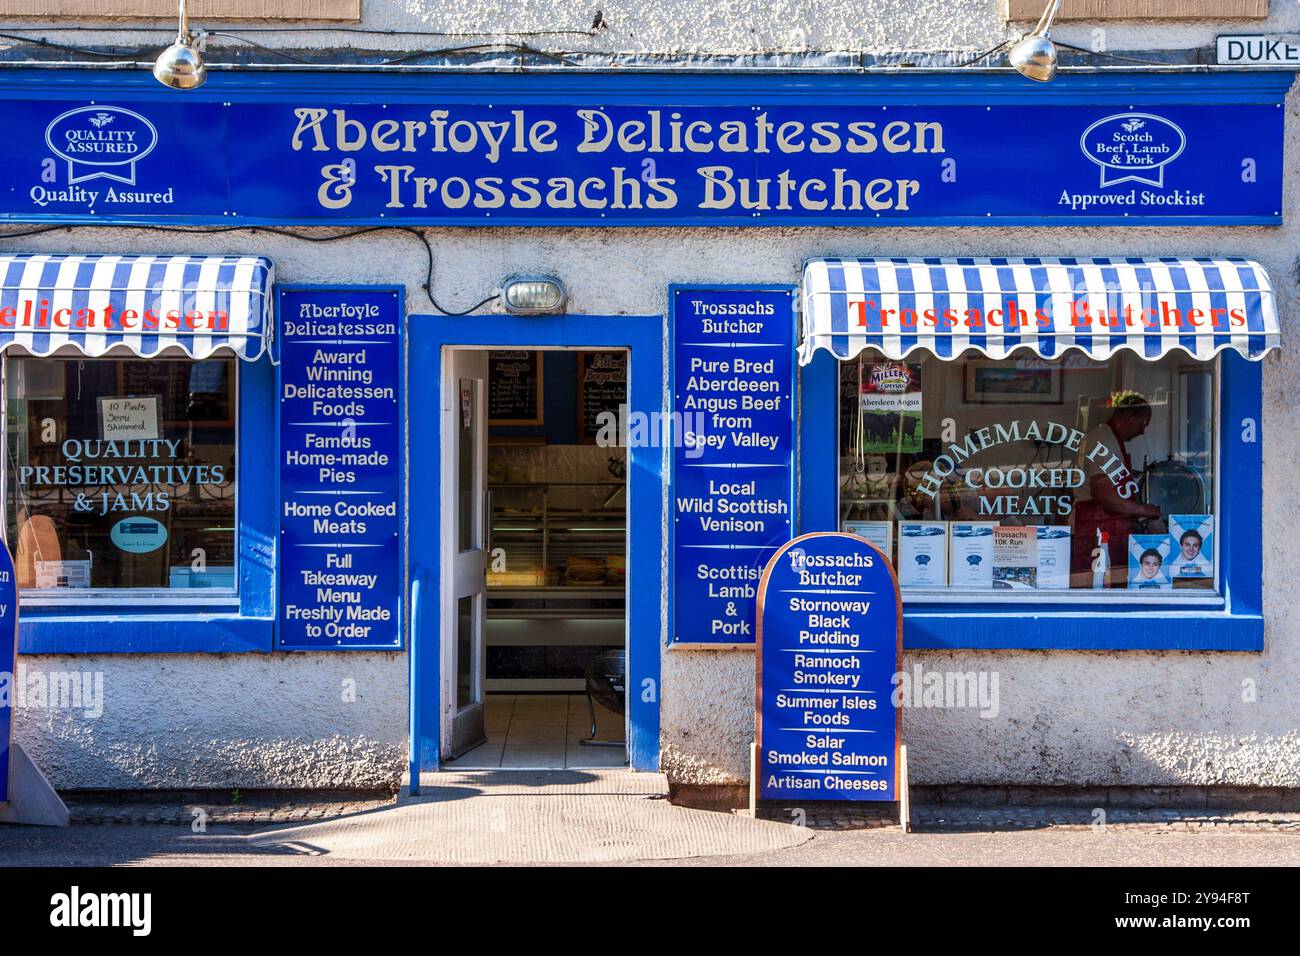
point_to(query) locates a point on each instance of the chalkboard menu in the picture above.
(340, 468)
(733, 469)
(515, 387)
(191, 392)
(602, 387)
(829, 640)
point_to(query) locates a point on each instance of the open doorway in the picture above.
(535, 556)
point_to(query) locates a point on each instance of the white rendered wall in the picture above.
(698, 26)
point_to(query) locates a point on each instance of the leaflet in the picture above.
(1053, 557)
(922, 554)
(970, 561)
(879, 533)
(1015, 557)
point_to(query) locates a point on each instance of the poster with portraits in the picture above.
(1191, 539)
(1148, 561)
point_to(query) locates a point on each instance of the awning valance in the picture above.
(141, 303)
(996, 306)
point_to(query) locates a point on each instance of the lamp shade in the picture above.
(180, 66)
(1034, 57)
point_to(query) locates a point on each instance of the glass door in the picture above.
(465, 549)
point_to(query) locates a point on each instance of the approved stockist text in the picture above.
(1082, 202)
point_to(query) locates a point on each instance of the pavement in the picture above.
(617, 817)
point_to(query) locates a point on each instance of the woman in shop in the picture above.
(1102, 510)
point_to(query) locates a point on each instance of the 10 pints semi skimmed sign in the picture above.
(829, 641)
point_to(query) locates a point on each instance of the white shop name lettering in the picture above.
(322, 130)
(339, 310)
(619, 187)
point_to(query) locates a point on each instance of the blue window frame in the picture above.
(119, 629)
(1237, 624)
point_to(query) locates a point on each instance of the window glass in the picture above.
(121, 474)
(1031, 474)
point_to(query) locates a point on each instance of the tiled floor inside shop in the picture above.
(542, 731)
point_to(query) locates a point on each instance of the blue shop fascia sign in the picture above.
(621, 150)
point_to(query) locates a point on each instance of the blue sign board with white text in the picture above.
(618, 150)
(830, 637)
(733, 466)
(8, 665)
(341, 439)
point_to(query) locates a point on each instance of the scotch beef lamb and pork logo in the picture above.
(1133, 147)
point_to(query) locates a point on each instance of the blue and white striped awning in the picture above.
(140, 304)
(995, 306)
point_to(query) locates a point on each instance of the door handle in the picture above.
(487, 523)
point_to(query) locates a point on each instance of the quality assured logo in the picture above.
(1133, 147)
(101, 142)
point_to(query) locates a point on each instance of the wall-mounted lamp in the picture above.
(1035, 55)
(533, 295)
(180, 66)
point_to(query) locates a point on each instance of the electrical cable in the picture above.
(361, 31)
(141, 55)
(42, 42)
(426, 285)
(1110, 56)
(989, 52)
(38, 230)
(477, 48)
(403, 57)
(258, 46)
(1067, 46)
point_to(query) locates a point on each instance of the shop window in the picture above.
(121, 475)
(1035, 478)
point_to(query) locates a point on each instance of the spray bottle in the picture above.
(1101, 560)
